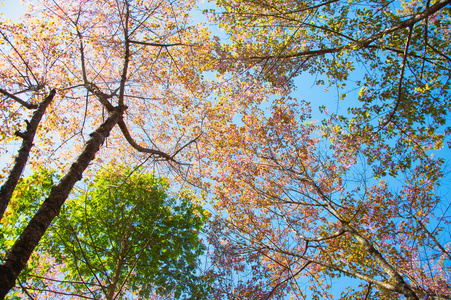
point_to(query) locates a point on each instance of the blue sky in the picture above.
(12, 9)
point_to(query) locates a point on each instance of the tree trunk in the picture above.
(21, 160)
(118, 269)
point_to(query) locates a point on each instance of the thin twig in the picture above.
(401, 77)
(158, 44)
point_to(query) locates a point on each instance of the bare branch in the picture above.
(18, 100)
(186, 145)
(401, 77)
(158, 44)
(135, 145)
(432, 236)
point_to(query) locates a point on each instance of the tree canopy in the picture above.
(122, 236)
(352, 206)
(356, 196)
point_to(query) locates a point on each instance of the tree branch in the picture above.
(58, 292)
(382, 284)
(186, 145)
(400, 285)
(135, 145)
(439, 52)
(401, 77)
(22, 59)
(126, 57)
(366, 42)
(17, 99)
(91, 87)
(368, 291)
(407, 23)
(430, 235)
(63, 281)
(158, 44)
(24, 289)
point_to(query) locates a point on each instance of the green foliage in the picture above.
(124, 236)
(30, 193)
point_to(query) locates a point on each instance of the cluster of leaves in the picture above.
(145, 53)
(290, 218)
(26, 201)
(401, 56)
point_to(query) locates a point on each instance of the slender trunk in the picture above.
(21, 160)
(18, 255)
(113, 284)
(118, 269)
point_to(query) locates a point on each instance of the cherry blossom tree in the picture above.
(108, 81)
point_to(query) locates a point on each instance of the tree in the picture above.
(294, 204)
(95, 66)
(295, 219)
(123, 236)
